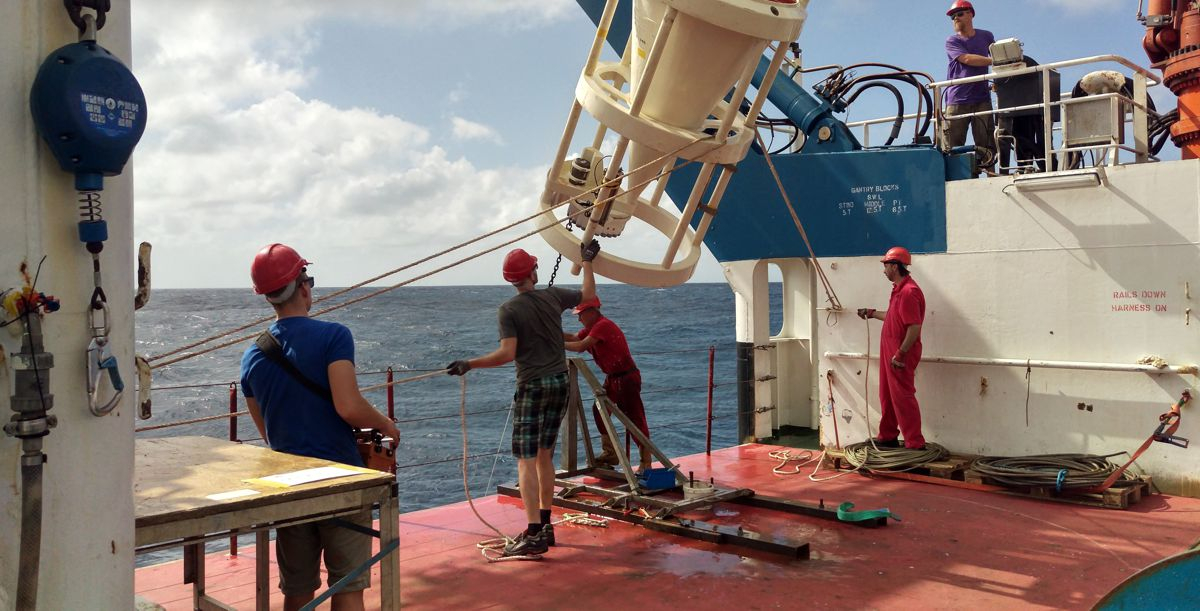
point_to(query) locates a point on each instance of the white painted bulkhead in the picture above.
(1099, 275)
(87, 536)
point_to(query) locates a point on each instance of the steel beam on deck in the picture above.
(693, 529)
(756, 500)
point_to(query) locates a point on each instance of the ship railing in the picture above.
(1135, 108)
(1190, 369)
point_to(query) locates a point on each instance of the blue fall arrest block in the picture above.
(90, 110)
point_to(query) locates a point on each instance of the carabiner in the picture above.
(100, 358)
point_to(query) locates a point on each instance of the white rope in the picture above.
(785, 456)
(487, 545)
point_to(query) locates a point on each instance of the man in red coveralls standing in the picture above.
(623, 382)
(899, 353)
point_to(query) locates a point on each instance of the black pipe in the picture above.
(899, 121)
(745, 378)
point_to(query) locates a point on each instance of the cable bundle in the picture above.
(865, 455)
(1059, 471)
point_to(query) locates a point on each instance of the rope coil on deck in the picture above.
(866, 455)
(1059, 471)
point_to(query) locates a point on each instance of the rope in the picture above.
(424, 376)
(488, 544)
(867, 416)
(1060, 471)
(830, 295)
(785, 456)
(583, 210)
(865, 455)
(155, 427)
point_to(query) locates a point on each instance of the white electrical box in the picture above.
(1093, 122)
(1007, 51)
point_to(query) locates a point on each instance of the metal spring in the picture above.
(90, 207)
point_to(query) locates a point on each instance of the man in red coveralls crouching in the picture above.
(623, 382)
(899, 353)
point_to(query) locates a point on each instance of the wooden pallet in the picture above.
(957, 468)
(1121, 495)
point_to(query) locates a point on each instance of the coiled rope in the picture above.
(786, 456)
(583, 210)
(865, 455)
(1058, 471)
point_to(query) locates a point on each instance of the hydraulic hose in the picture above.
(31, 523)
(904, 78)
(899, 122)
(31, 423)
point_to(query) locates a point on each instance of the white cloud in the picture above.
(236, 157)
(457, 94)
(470, 130)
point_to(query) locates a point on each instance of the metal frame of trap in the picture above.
(623, 501)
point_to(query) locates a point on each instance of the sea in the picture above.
(414, 330)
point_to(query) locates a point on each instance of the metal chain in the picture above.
(558, 261)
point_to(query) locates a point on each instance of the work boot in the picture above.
(646, 459)
(608, 457)
(527, 545)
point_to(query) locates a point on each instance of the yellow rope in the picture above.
(830, 295)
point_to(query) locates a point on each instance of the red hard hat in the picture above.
(897, 253)
(274, 267)
(518, 264)
(591, 303)
(961, 5)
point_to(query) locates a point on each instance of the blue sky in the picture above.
(368, 134)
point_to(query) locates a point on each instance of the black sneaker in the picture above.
(548, 534)
(527, 545)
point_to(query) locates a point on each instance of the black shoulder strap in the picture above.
(271, 349)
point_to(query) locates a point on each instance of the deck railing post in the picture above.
(233, 411)
(233, 436)
(708, 436)
(391, 396)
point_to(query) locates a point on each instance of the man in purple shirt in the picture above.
(968, 55)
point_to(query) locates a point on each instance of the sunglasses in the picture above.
(957, 14)
(310, 281)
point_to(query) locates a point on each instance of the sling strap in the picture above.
(271, 349)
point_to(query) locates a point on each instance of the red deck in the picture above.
(954, 549)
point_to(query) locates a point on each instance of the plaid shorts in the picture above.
(538, 409)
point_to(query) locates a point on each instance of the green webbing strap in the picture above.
(845, 515)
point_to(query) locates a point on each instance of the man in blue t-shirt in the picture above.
(968, 55)
(293, 418)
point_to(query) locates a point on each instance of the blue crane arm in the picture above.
(800, 107)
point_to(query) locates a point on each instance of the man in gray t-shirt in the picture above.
(531, 334)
